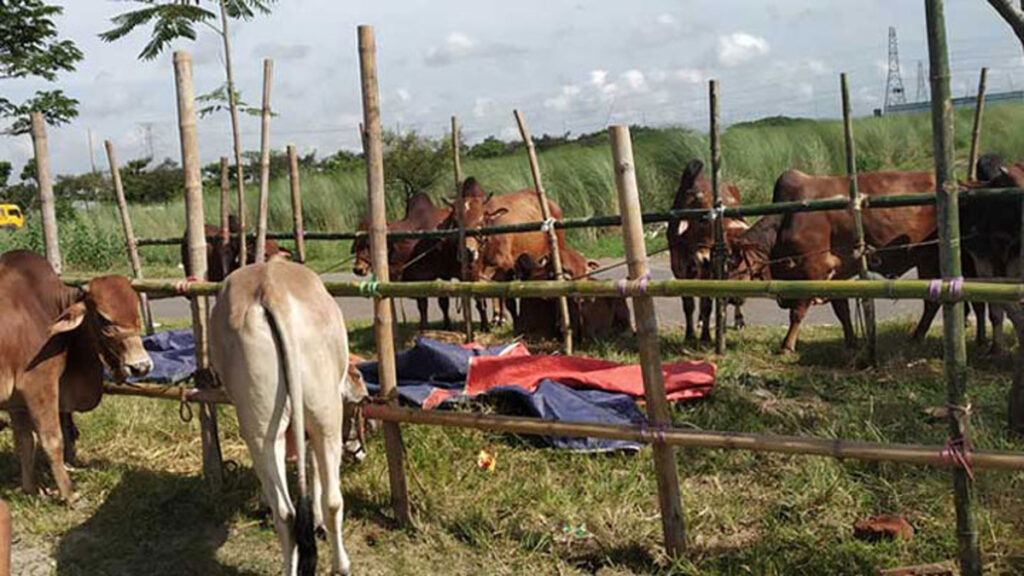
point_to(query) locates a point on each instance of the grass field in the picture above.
(143, 508)
(577, 175)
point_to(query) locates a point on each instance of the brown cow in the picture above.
(420, 214)
(222, 253)
(592, 318)
(690, 242)
(820, 245)
(55, 343)
(494, 257)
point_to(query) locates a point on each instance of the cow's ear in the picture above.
(593, 264)
(692, 171)
(494, 215)
(69, 320)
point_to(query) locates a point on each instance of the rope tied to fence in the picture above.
(181, 286)
(184, 410)
(640, 284)
(370, 287)
(716, 213)
(653, 434)
(956, 289)
(548, 225)
(957, 453)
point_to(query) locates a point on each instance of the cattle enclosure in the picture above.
(660, 434)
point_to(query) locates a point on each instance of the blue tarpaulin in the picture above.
(173, 354)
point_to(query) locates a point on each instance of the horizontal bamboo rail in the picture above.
(836, 448)
(782, 289)
(837, 203)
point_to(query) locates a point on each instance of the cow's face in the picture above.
(109, 314)
(361, 250)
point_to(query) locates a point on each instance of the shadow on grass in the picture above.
(157, 523)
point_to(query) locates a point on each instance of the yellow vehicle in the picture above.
(11, 216)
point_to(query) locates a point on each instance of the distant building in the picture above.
(964, 102)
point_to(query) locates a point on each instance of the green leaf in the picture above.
(170, 21)
(29, 44)
(57, 108)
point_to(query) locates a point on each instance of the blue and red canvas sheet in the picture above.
(435, 374)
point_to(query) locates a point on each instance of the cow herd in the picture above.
(279, 343)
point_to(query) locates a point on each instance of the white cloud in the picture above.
(564, 100)
(666, 19)
(279, 51)
(598, 77)
(459, 46)
(805, 91)
(739, 47)
(403, 94)
(633, 81)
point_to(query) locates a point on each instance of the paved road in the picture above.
(670, 313)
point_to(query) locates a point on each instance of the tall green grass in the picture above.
(577, 175)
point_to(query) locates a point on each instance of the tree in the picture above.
(29, 48)
(1013, 15)
(5, 172)
(412, 163)
(174, 19)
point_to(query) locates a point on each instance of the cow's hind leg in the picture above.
(688, 306)
(841, 307)
(738, 321)
(930, 309)
(269, 463)
(70, 433)
(982, 320)
(25, 444)
(443, 303)
(796, 316)
(705, 319)
(997, 312)
(327, 450)
(422, 304)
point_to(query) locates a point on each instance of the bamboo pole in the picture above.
(647, 341)
(295, 186)
(545, 210)
(869, 203)
(196, 243)
(264, 207)
(718, 253)
(856, 209)
(129, 233)
(225, 202)
(949, 259)
(460, 214)
(979, 111)
(382, 321)
(236, 137)
(47, 204)
(916, 454)
(973, 291)
(5, 539)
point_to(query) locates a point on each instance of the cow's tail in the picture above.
(304, 529)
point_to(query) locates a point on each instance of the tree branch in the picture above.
(1013, 16)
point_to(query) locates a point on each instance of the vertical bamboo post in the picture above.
(225, 201)
(718, 251)
(195, 237)
(264, 207)
(296, 189)
(5, 539)
(545, 210)
(856, 205)
(460, 215)
(955, 352)
(647, 340)
(382, 321)
(129, 233)
(979, 111)
(47, 203)
(236, 138)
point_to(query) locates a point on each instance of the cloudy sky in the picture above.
(568, 65)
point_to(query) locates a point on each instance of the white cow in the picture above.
(279, 345)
